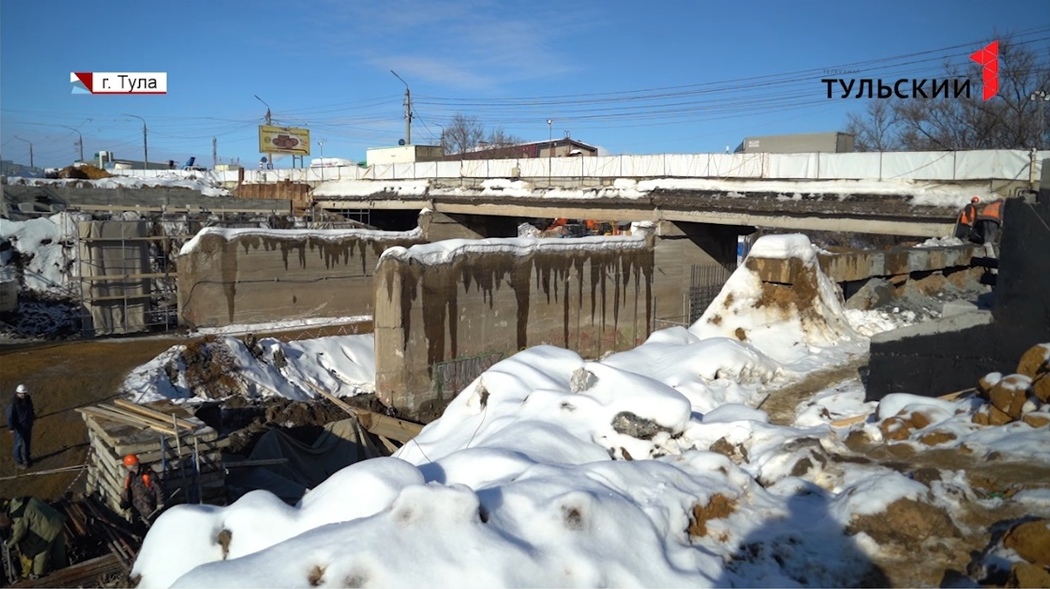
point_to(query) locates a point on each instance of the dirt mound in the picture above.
(905, 522)
(83, 172)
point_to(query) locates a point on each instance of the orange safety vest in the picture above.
(968, 215)
(992, 211)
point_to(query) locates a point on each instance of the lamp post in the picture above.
(80, 140)
(321, 145)
(408, 110)
(30, 150)
(145, 148)
(1042, 96)
(269, 156)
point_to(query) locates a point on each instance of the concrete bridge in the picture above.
(902, 193)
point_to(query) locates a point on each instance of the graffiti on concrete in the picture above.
(453, 376)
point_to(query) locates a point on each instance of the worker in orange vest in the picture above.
(989, 225)
(141, 490)
(965, 227)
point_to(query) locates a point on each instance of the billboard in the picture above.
(293, 140)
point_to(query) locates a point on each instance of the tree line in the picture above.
(1010, 120)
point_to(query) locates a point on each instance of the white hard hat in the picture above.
(22, 390)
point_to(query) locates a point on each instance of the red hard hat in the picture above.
(131, 460)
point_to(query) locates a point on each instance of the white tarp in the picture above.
(918, 165)
(794, 166)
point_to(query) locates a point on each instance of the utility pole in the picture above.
(1042, 96)
(145, 149)
(269, 156)
(550, 149)
(80, 140)
(408, 110)
(30, 150)
(214, 152)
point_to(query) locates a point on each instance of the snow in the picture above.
(344, 188)
(341, 365)
(447, 250)
(555, 470)
(202, 182)
(934, 194)
(48, 248)
(325, 234)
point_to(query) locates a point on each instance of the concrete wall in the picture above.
(860, 265)
(439, 325)
(245, 277)
(679, 247)
(441, 226)
(953, 353)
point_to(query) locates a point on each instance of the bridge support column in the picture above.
(440, 226)
(692, 262)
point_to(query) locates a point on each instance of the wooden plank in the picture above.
(377, 423)
(125, 404)
(388, 444)
(956, 394)
(124, 418)
(82, 574)
(391, 427)
(847, 421)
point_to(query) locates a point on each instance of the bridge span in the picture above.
(927, 211)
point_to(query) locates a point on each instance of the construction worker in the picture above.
(37, 531)
(141, 490)
(989, 225)
(20, 417)
(965, 227)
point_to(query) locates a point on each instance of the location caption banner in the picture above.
(119, 82)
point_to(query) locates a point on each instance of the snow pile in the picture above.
(204, 183)
(342, 365)
(43, 251)
(787, 322)
(547, 471)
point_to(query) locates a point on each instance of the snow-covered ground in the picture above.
(650, 467)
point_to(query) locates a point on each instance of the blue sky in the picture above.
(629, 77)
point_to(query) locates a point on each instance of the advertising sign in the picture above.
(293, 140)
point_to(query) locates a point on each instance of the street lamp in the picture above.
(145, 148)
(30, 150)
(321, 145)
(80, 140)
(269, 156)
